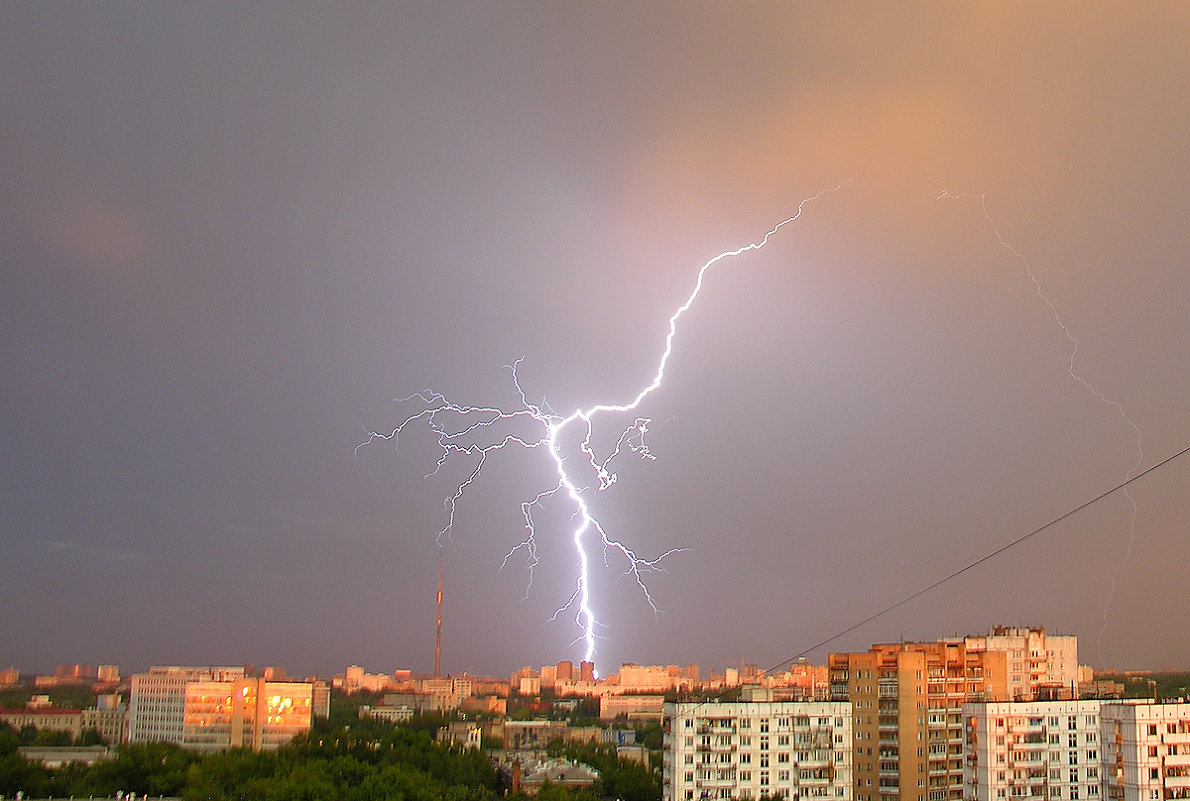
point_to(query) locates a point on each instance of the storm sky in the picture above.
(231, 237)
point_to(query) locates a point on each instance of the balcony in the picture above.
(715, 780)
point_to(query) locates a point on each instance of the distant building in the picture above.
(45, 719)
(54, 757)
(750, 749)
(74, 673)
(529, 775)
(108, 673)
(109, 718)
(632, 707)
(245, 713)
(9, 677)
(355, 679)
(395, 713)
(215, 708)
(157, 703)
(463, 733)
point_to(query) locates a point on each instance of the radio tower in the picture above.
(438, 638)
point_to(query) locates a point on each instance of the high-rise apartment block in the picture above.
(907, 706)
(1146, 750)
(1037, 663)
(908, 697)
(1034, 749)
(749, 749)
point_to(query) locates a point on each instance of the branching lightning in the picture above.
(456, 427)
(1074, 374)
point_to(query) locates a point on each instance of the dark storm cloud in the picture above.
(228, 238)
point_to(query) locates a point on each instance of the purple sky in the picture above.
(230, 238)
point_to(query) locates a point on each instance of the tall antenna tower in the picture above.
(438, 638)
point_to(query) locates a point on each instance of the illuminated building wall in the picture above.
(907, 700)
(245, 713)
(157, 704)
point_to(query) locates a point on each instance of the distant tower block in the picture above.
(438, 637)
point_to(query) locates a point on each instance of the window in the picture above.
(1153, 730)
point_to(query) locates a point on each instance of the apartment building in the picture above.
(1036, 661)
(215, 708)
(755, 748)
(157, 701)
(1146, 748)
(1035, 749)
(906, 704)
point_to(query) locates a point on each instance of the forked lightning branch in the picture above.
(473, 433)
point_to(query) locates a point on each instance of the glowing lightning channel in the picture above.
(1074, 345)
(458, 426)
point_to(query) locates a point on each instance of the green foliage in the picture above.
(400, 765)
(618, 778)
(650, 735)
(16, 773)
(10, 739)
(153, 769)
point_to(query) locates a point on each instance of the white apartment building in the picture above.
(157, 704)
(747, 749)
(1035, 749)
(1146, 749)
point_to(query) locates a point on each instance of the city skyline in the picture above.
(230, 238)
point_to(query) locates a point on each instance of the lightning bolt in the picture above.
(1072, 340)
(459, 429)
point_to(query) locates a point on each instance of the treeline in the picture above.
(368, 764)
(402, 765)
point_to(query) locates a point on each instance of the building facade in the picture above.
(1035, 662)
(1034, 749)
(157, 701)
(215, 708)
(749, 749)
(1146, 750)
(907, 702)
(245, 713)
